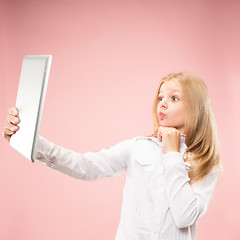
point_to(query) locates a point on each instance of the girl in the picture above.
(170, 175)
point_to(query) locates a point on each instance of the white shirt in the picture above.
(158, 200)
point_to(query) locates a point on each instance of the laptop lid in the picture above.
(30, 101)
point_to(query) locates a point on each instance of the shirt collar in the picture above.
(182, 139)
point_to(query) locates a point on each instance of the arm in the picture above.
(88, 166)
(187, 202)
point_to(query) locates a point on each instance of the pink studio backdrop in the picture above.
(108, 57)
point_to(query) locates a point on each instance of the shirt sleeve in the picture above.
(187, 202)
(88, 166)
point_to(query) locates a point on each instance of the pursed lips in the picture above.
(161, 115)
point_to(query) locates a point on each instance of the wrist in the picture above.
(167, 150)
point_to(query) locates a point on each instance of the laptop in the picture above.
(30, 102)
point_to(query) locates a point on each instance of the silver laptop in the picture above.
(30, 100)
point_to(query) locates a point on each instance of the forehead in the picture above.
(170, 86)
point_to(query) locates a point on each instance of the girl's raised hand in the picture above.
(170, 137)
(11, 126)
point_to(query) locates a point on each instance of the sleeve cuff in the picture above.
(44, 149)
(173, 160)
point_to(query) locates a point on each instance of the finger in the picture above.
(13, 111)
(8, 132)
(12, 119)
(159, 135)
(162, 130)
(7, 137)
(175, 132)
(171, 130)
(12, 127)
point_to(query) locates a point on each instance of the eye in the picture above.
(174, 98)
(160, 99)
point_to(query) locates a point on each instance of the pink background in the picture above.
(108, 57)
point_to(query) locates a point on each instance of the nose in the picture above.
(163, 104)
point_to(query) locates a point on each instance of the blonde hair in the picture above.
(200, 127)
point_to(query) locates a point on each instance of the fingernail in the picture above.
(12, 111)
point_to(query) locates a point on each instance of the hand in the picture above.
(12, 120)
(170, 137)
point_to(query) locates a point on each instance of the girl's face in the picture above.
(171, 112)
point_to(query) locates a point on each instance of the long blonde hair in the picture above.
(200, 127)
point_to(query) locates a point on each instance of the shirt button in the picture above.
(155, 231)
(39, 156)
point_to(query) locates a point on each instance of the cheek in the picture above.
(180, 113)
